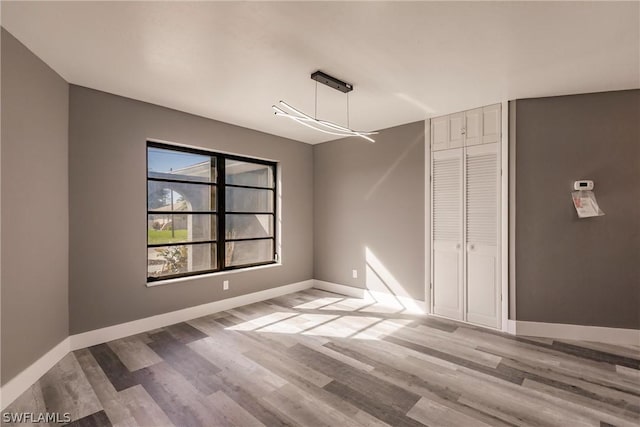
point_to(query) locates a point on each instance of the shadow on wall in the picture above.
(392, 168)
(384, 287)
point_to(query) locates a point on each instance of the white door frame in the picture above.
(503, 252)
(428, 298)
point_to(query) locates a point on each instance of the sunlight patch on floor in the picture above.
(319, 303)
(343, 326)
(325, 325)
(298, 324)
(259, 322)
(381, 329)
(372, 302)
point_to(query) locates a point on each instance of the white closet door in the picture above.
(439, 133)
(491, 123)
(473, 127)
(456, 130)
(447, 262)
(482, 189)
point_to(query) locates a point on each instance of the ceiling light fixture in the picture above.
(323, 125)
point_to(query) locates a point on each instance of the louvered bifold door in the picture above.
(447, 229)
(481, 209)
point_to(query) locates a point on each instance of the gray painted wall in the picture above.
(512, 211)
(570, 270)
(107, 174)
(35, 216)
(371, 196)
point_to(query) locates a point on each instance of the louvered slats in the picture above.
(447, 197)
(481, 198)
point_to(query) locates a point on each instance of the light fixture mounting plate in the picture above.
(332, 82)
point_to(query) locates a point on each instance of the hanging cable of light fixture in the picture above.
(285, 110)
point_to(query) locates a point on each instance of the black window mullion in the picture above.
(221, 201)
(155, 212)
(246, 239)
(252, 187)
(274, 172)
(180, 181)
(194, 242)
(248, 213)
(248, 159)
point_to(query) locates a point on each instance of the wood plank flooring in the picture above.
(314, 358)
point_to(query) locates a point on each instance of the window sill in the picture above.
(210, 275)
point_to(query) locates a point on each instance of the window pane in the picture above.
(175, 196)
(179, 228)
(248, 226)
(252, 174)
(248, 252)
(249, 200)
(171, 164)
(170, 260)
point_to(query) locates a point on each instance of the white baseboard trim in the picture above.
(577, 332)
(514, 327)
(25, 379)
(410, 305)
(349, 291)
(110, 333)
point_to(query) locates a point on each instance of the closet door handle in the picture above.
(458, 246)
(470, 246)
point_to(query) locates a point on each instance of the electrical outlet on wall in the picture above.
(225, 285)
(354, 273)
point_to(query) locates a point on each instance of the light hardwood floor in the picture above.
(315, 358)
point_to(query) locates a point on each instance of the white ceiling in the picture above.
(231, 61)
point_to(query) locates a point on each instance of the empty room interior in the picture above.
(320, 213)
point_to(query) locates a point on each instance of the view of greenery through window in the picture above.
(190, 228)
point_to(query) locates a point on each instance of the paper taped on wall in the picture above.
(585, 203)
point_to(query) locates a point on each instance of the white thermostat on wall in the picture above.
(585, 184)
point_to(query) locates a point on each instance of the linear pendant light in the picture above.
(322, 125)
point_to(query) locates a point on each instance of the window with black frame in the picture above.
(191, 228)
